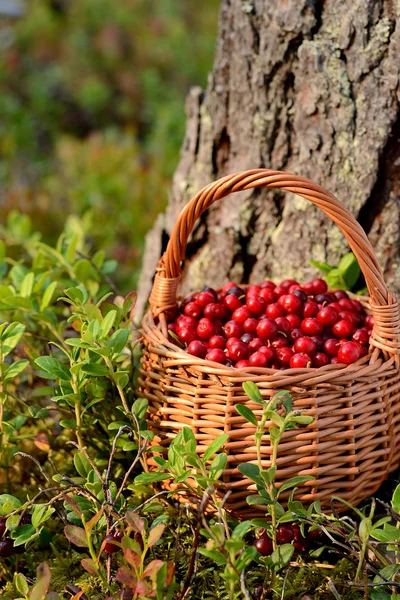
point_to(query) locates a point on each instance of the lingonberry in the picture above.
(267, 329)
(294, 320)
(305, 345)
(2, 527)
(233, 329)
(300, 361)
(323, 299)
(346, 304)
(238, 351)
(192, 309)
(236, 291)
(284, 534)
(319, 340)
(320, 359)
(357, 306)
(211, 291)
(297, 535)
(349, 352)
(269, 352)
(369, 321)
(186, 334)
(264, 546)
(228, 286)
(280, 341)
(287, 283)
(295, 334)
(284, 355)
(290, 303)
(308, 288)
(247, 337)
(258, 359)
(185, 321)
(216, 355)
(268, 295)
(273, 311)
(252, 290)
(188, 299)
(331, 347)
(210, 311)
(204, 298)
(197, 348)
(242, 364)
(319, 286)
(6, 548)
(311, 326)
(250, 325)
(360, 336)
(354, 318)
(340, 294)
(231, 302)
(342, 329)
(284, 326)
(256, 305)
(255, 345)
(301, 545)
(241, 314)
(310, 309)
(217, 341)
(268, 284)
(205, 329)
(299, 293)
(112, 540)
(334, 360)
(279, 290)
(314, 535)
(327, 316)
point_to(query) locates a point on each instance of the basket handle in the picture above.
(384, 305)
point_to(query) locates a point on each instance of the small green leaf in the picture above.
(350, 270)
(15, 369)
(21, 584)
(302, 419)
(27, 285)
(218, 465)
(48, 296)
(11, 336)
(215, 446)
(253, 392)
(216, 556)
(294, 481)
(107, 323)
(23, 534)
(396, 499)
(96, 369)
(8, 504)
(54, 367)
(82, 464)
(282, 555)
(241, 529)
(247, 413)
(41, 513)
(258, 500)
(252, 472)
(321, 266)
(12, 522)
(155, 535)
(118, 341)
(152, 477)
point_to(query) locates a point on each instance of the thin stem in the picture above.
(75, 387)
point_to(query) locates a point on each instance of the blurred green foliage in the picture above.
(92, 112)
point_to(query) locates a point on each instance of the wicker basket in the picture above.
(353, 443)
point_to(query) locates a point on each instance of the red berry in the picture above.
(233, 329)
(334, 360)
(205, 329)
(311, 326)
(346, 304)
(268, 284)
(319, 340)
(301, 545)
(300, 361)
(340, 294)
(320, 360)
(269, 352)
(197, 348)
(212, 291)
(290, 303)
(186, 334)
(284, 326)
(217, 341)
(6, 548)
(231, 302)
(258, 359)
(305, 345)
(300, 294)
(238, 351)
(357, 306)
(294, 320)
(185, 321)
(216, 355)
(327, 316)
(194, 310)
(319, 286)
(2, 527)
(287, 283)
(111, 546)
(331, 346)
(241, 364)
(308, 288)
(268, 295)
(360, 336)
(323, 299)
(296, 532)
(349, 352)
(284, 355)
(354, 318)
(228, 286)
(284, 534)
(256, 305)
(267, 329)
(241, 314)
(264, 546)
(369, 321)
(255, 345)
(204, 298)
(247, 337)
(253, 290)
(296, 333)
(273, 311)
(280, 342)
(310, 309)
(237, 291)
(210, 311)
(279, 290)
(342, 329)
(250, 325)
(315, 535)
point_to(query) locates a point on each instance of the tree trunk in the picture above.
(307, 86)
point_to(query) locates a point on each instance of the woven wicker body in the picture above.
(353, 443)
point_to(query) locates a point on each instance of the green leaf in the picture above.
(334, 279)
(294, 481)
(251, 472)
(118, 340)
(269, 474)
(215, 446)
(216, 556)
(41, 513)
(23, 534)
(48, 295)
(396, 499)
(76, 535)
(302, 419)
(82, 464)
(256, 499)
(11, 336)
(27, 285)
(12, 522)
(152, 477)
(282, 555)
(247, 413)
(140, 407)
(241, 529)
(96, 369)
(286, 399)
(107, 323)
(54, 367)
(253, 392)
(8, 504)
(218, 465)
(21, 584)
(15, 369)
(2, 251)
(350, 270)
(321, 266)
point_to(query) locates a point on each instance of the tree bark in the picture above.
(307, 86)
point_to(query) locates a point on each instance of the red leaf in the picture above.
(132, 557)
(42, 583)
(152, 568)
(155, 534)
(89, 565)
(134, 521)
(125, 576)
(76, 535)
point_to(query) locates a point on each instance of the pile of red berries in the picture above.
(288, 533)
(274, 326)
